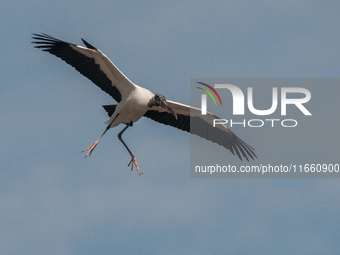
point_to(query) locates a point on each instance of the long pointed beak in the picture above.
(168, 107)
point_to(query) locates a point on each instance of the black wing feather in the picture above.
(83, 64)
(226, 139)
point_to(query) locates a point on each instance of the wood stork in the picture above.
(134, 102)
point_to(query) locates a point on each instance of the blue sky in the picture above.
(53, 201)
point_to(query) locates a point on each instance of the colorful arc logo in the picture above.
(209, 93)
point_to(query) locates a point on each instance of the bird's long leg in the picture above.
(92, 146)
(133, 158)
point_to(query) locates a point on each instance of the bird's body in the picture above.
(131, 108)
(134, 102)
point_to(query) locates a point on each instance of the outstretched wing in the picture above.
(203, 127)
(90, 62)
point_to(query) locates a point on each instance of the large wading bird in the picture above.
(134, 102)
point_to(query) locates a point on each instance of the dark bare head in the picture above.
(159, 100)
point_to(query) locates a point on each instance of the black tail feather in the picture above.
(110, 109)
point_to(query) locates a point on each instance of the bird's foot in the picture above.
(90, 148)
(133, 162)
